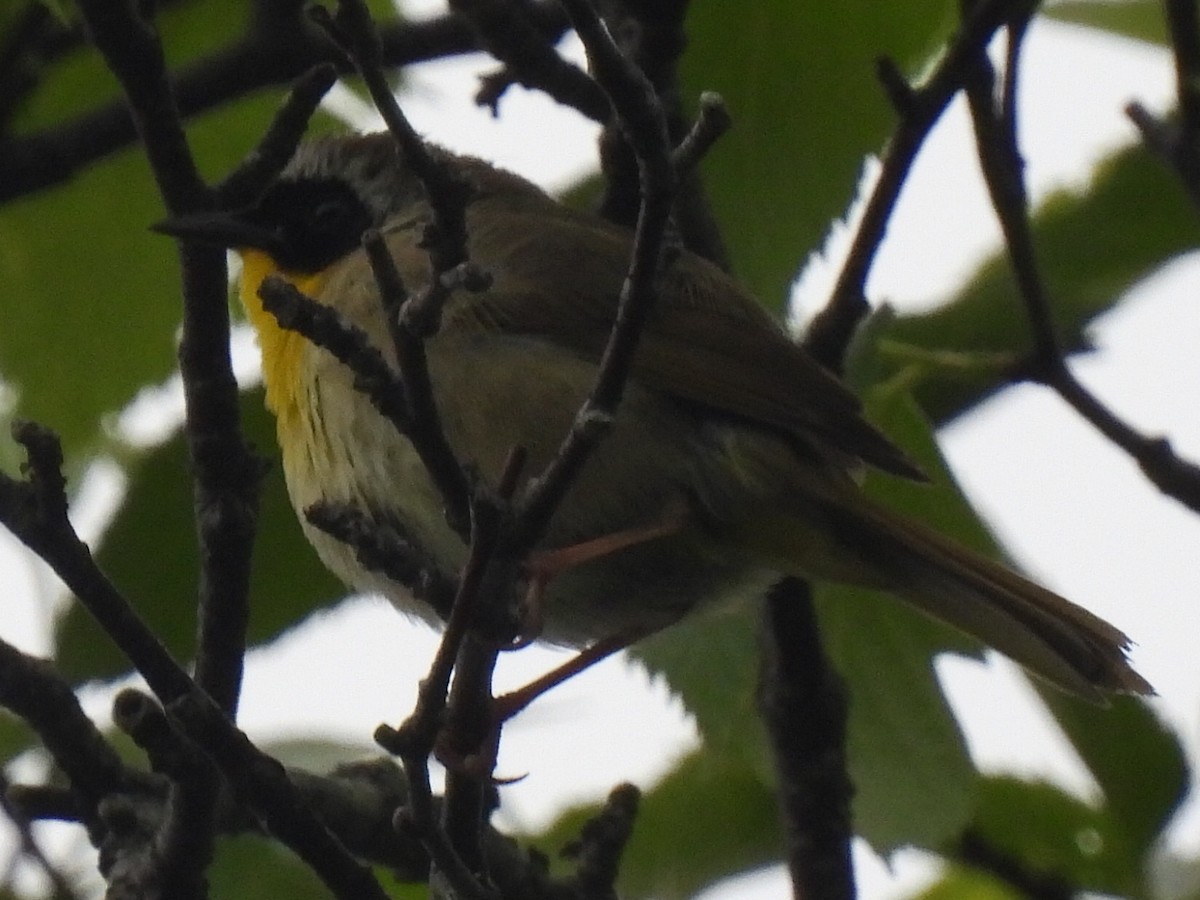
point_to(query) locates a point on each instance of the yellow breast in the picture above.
(283, 351)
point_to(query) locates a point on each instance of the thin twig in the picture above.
(602, 841)
(262, 783)
(279, 142)
(415, 739)
(34, 691)
(454, 844)
(1175, 476)
(448, 195)
(641, 117)
(276, 52)
(30, 847)
(416, 735)
(1177, 142)
(506, 31)
(471, 724)
(35, 510)
(411, 319)
(381, 545)
(996, 131)
(470, 741)
(996, 144)
(919, 110)
(185, 835)
(712, 121)
(653, 37)
(326, 328)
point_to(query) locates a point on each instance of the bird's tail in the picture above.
(1045, 633)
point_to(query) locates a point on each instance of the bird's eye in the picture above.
(320, 221)
(329, 217)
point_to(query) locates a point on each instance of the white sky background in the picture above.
(1074, 511)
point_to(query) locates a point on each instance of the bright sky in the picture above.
(1072, 510)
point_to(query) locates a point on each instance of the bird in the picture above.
(734, 459)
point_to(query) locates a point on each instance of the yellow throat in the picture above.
(282, 350)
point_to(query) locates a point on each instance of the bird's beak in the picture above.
(233, 230)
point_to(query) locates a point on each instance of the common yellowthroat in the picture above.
(729, 431)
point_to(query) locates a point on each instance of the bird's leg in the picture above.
(545, 565)
(508, 705)
(541, 567)
(482, 761)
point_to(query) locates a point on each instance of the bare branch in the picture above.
(919, 110)
(280, 140)
(602, 842)
(804, 707)
(277, 49)
(642, 121)
(262, 783)
(30, 848)
(996, 130)
(325, 328)
(412, 319)
(227, 474)
(33, 690)
(35, 511)
(1174, 476)
(712, 122)
(382, 546)
(506, 31)
(1177, 142)
(176, 856)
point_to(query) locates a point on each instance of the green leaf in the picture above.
(965, 883)
(1051, 834)
(799, 80)
(399, 890)
(1091, 252)
(1136, 759)
(913, 777)
(249, 866)
(12, 454)
(89, 297)
(718, 685)
(318, 754)
(1138, 19)
(155, 525)
(709, 819)
(60, 9)
(15, 736)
